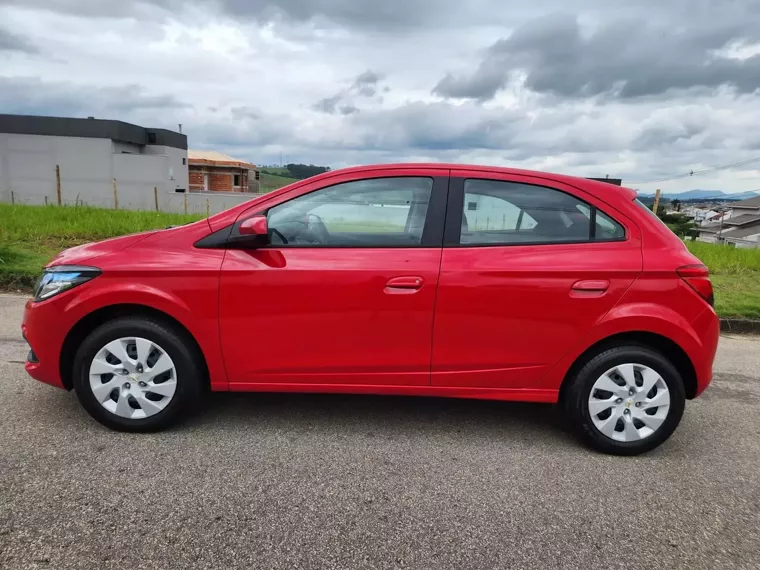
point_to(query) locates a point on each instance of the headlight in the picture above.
(60, 278)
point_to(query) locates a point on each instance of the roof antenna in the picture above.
(180, 128)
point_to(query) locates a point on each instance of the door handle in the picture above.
(407, 283)
(591, 285)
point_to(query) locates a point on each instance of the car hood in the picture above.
(82, 254)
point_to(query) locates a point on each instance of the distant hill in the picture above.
(698, 194)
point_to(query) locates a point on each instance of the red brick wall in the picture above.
(196, 178)
(219, 179)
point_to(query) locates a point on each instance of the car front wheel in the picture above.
(626, 400)
(136, 374)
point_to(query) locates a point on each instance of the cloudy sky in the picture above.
(638, 89)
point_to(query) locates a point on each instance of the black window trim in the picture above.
(455, 211)
(432, 232)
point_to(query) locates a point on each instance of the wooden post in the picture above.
(13, 199)
(115, 196)
(207, 208)
(656, 201)
(58, 183)
(155, 196)
(185, 202)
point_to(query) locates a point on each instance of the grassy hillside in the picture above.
(271, 182)
(277, 170)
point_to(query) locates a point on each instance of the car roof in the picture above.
(602, 190)
(594, 186)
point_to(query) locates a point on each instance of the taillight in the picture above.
(696, 276)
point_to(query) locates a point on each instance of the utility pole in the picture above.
(58, 183)
(720, 228)
(656, 201)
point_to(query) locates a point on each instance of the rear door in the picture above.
(344, 292)
(529, 266)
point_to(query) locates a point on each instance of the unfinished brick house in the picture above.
(211, 171)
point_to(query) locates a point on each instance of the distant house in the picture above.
(211, 171)
(749, 206)
(707, 215)
(742, 230)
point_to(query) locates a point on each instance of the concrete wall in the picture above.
(254, 183)
(125, 148)
(28, 166)
(176, 164)
(197, 202)
(707, 237)
(87, 169)
(752, 241)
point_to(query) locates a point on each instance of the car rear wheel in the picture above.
(136, 374)
(626, 400)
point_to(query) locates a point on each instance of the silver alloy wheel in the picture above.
(629, 402)
(133, 377)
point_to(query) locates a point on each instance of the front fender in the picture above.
(202, 322)
(130, 294)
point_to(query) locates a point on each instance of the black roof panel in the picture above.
(90, 128)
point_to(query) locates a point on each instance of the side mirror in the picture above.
(254, 226)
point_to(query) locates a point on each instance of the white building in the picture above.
(86, 157)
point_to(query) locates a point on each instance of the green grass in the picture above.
(31, 235)
(724, 260)
(735, 274)
(269, 182)
(737, 295)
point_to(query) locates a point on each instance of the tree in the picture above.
(678, 223)
(301, 171)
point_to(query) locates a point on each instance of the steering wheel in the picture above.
(298, 232)
(315, 225)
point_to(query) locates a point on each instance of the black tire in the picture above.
(189, 370)
(576, 398)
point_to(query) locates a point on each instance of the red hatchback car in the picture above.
(427, 280)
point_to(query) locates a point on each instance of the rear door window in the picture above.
(499, 212)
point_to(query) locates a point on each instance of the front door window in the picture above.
(378, 212)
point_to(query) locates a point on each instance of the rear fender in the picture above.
(635, 317)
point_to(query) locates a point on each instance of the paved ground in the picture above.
(278, 481)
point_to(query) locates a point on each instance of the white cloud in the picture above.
(341, 82)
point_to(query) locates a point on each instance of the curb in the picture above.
(740, 325)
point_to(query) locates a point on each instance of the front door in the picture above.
(345, 290)
(527, 270)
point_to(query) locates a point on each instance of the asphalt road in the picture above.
(287, 481)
